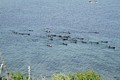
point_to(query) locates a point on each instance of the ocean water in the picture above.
(95, 22)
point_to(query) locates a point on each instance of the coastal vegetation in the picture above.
(90, 75)
(18, 76)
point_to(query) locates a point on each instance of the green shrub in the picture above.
(19, 76)
(60, 77)
(90, 75)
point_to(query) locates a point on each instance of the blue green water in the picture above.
(78, 17)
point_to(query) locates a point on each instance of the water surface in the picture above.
(78, 17)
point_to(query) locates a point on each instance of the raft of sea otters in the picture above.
(75, 40)
(65, 36)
